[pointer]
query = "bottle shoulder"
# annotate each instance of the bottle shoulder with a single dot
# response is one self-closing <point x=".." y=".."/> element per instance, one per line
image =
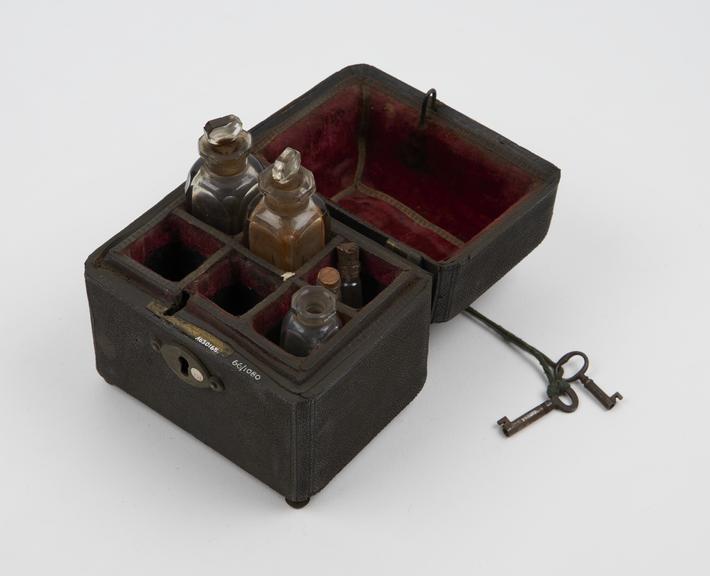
<point x="288" y="223"/>
<point x="301" y="338"/>
<point x="206" y="183"/>
<point x="222" y="201"/>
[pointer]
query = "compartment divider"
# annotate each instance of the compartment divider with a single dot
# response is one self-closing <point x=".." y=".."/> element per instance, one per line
<point x="197" y="223"/>
<point x="319" y="256"/>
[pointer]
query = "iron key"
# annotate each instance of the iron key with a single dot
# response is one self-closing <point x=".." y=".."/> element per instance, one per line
<point x="581" y="375"/>
<point x="510" y="428"/>
<point x="607" y="401"/>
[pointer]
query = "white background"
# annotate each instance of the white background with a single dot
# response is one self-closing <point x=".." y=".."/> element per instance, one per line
<point x="100" y="111"/>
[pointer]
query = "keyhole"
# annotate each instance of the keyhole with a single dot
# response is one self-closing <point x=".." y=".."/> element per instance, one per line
<point x="184" y="365"/>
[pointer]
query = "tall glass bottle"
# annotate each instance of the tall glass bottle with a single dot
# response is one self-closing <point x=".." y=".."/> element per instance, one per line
<point x="220" y="191"/>
<point x="311" y="320"/>
<point x="349" y="268"/>
<point x="286" y="227"/>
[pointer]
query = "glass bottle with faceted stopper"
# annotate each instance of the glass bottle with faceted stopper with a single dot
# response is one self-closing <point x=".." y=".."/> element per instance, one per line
<point x="286" y="227"/>
<point x="311" y="320"/>
<point x="227" y="180"/>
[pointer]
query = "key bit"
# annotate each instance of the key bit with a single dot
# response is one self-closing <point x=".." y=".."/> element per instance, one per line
<point x="511" y="427"/>
<point x="604" y="399"/>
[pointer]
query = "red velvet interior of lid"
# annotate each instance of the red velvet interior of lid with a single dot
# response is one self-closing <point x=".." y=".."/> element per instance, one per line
<point x="397" y="225"/>
<point x="455" y="185"/>
<point x="445" y="188"/>
<point x="327" y="141"/>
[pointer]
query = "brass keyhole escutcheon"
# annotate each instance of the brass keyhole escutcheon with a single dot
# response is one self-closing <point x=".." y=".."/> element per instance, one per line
<point x="186" y="366"/>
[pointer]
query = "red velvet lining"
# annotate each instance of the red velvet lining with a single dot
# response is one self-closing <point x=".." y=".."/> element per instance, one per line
<point x="444" y="178"/>
<point x="327" y="141"/>
<point x="236" y="284"/>
<point x="267" y="322"/>
<point x="398" y="225"/>
<point x="237" y="270"/>
<point x="457" y="186"/>
<point x="173" y="248"/>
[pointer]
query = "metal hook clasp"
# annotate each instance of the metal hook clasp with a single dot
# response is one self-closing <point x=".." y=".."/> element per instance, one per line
<point x="429" y="103"/>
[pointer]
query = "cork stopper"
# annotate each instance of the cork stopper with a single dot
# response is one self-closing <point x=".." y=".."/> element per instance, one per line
<point x="329" y="278"/>
<point x="348" y="259"/>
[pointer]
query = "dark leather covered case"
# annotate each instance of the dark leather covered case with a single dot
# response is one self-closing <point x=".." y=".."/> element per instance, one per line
<point x="186" y="319"/>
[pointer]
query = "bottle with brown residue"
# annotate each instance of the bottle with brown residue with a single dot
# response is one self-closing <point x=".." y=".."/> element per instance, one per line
<point x="286" y="227"/>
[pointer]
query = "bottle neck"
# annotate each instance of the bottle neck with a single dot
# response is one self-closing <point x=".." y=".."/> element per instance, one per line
<point x="349" y="273"/>
<point x="286" y="204"/>
<point x="313" y="305"/>
<point x="225" y="167"/>
<point x="314" y="320"/>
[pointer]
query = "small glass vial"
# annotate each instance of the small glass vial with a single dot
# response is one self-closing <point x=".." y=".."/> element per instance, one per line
<point x="286" y="227"/>
<point x="349" y="268"/>
<point x="227" y="179"/>
<point x="329" y="278"/>
<point x="311" y="320"/>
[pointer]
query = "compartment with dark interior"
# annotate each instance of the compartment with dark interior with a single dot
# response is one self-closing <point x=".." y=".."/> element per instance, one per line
<point x="236" y="284"/>
<point x="267" y="321"/>
<point x="375" y="273"/>
<point x="426" y="185"/>
<point x="173" y="248"/>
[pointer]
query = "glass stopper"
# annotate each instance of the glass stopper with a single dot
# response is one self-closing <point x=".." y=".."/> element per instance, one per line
<point x="222" y="130"/>
<point x="286" y="166"/>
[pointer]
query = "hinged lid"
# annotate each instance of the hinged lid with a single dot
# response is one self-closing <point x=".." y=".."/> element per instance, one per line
<point x="459" y="200"/>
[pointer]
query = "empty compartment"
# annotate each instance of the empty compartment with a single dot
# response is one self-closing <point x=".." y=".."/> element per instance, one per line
<point x="173" y="249"/>
<point x="428" y="186"/>
<point x="236" y="284"/>
<point x="375" y="273"/>
<point x="268" y="322"/>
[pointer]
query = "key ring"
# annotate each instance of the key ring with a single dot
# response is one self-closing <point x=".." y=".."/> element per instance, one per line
<point x="562" y="406"/>
<point x="559" y="366"/>
<point x="558" y="384"/>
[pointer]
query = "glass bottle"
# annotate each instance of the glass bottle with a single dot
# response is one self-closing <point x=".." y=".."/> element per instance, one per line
<point x="329" y="278"/>
<point x="286" y="227"/>
<point x="349" y="268"/>
<point x="311" y="320"/>
<point x="227" y="178"/>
